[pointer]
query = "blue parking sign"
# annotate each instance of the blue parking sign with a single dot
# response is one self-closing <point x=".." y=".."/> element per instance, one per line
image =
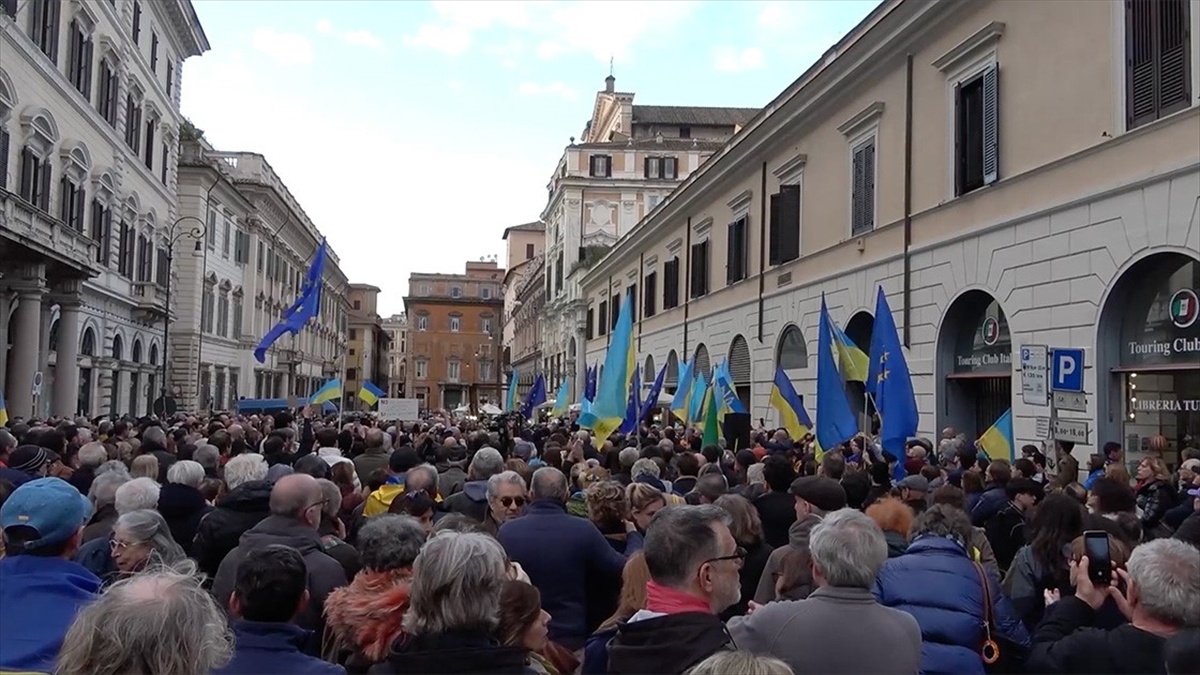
<point x="1066" y="371"/>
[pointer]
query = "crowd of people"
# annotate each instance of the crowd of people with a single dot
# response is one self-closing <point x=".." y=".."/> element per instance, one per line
<point x="290" y="543"/>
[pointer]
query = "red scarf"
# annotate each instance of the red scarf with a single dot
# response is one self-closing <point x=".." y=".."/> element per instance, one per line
<point x="666" y="600"/>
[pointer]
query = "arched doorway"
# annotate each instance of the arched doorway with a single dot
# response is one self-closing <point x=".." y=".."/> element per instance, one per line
<point x="859" y="329"/>
<point x="87" y="352"/>
<point x="118" y="355"/>
<point x="700" y="362"/>
<point x="1148" y="358"/>
<point x="791" y="353"/>
<point x="974" y="357"/>
<point x="740" y="368"/>
<point x="671" y="379"/>
<point x="648" y="372"/>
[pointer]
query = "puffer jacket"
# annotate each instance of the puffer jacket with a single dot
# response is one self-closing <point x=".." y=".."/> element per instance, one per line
<point x="939" y="586"/>
<point x="363" y="619"/>
<point x="220" y="530"/>
<point x="991" y="502"/>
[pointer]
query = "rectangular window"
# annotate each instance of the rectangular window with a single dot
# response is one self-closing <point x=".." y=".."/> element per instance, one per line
<point x="591" y="323"/>
<point x="699" y="269"/>
<point x="455" y="324"/>
<point x="133" y="123"/>
<point x="149" y="156"/>
<point x="600" y="166"/>
<point x="239" y="247"/>
<point x="102" y="232"/>
<point x="670" y="168"/>
<point x="631" y="293"/>
<point x="422" y="323"/>
<point x="736" y="252"/>
<point x="163" y="270"/>
<point x="455" y="292"/>
<point x="976" y="139"/>
<point x="223" y="316"/>
<point x="44" y="26"/>
<point x="35" y="180"/>
<point x="5" y="139"/>
<point x="352" y="373"/>
<point x="486" y="326"/>
<point x="452" y="370"/>
<point x="170" y="79"/>
<point x="528" y="251"/>
<point x="125" y="250"/>
<point x="422" y="370"/>
<point x="558" y="273"/>
<point x="162" y="171"/>
<point x="106" y="94"/>
<point x="1157" y="59"/>
<point x="614" y="310"/>
<point x="602" y="319"/>
<point x="137" y="21"/>
<point x="649" y="296"/>
<point x="71" y="204"/>
<point x="154" y="52"/>
<point x="261" y="254"/>
<point x="485" y="371"/>
<point x="671" y="283"/>
<point x="862" y="202"/>
<point x="653" y="167"/>
<point x="784" y="229"/>
<point x="79" y="64"/>
<point x="143" y="259"/>
<point x="353" y="333"/>
<point x="211" y="232"/>
<point x="652" y="202"/>
<point x="206" y="310"/>
<point x="225" y="238"/>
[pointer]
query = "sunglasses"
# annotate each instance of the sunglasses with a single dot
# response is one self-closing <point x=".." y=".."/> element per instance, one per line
<point x="739" y="553"/>
<point x="506" y="502"/>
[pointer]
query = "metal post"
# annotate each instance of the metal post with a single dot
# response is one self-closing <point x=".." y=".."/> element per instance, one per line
<point x="173" y="236"/>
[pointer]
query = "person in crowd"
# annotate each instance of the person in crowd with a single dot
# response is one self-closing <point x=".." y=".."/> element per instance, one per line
<point x="565" y="557"/>
<point x="363" y="619"/>
<point x="133" y="495"/>
<point x="418" y="505"/>
<point x="645" y="500"/>
<point x="451" y="460"/>
<point x="1109" y="502"/>
<point x="1160" y="598"/>
<point x="209" y="459"/>
<point x="245" y="505"/>
<point x="181" y="502"/>
<point x="939" y="584"/>
<point x="742" y="663"/>
<point x="150" y="624"/>
<point x="1041" y="565"/>
<point x="507" y="495"/>
<point x="748" y="533"/>
<point x="269" y="591"/>
<point x="1181" y="652"/>
<point x="473" y="500"/>
<point x="994" y="497"/>
<point x="1006" y="528"/>
<point x="1189" y="529"/>
<point x="812" y="498"/>
<point x="1109" y="615"/>
<point x="694" y="563"/>
<point x="26" y="463"/>
<point x="142" y="539"/>
<point x="777" y="508"/>
<point x="296" y="502"/>
<point x="1095" y="470"/>
<point x="523" y="623"/>
<point x="609" y="512"/>
<point x="103" y="495"/>
<point x="402" y="464"/>
<point x="454" y="611"/>
<point x="90" y="457"/>
<point x="823" y="633"/>
<point x="978" y="545"/>
<point x="332" y="531"/>
<point x="632" y="600"/>
<point x="895" y="518"/>
<point x="914" y="492"/>
<point x="1155" y="496"/>
<point x="41" y="589"/>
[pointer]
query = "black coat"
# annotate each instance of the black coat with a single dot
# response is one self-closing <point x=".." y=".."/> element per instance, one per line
<point x="219" y="531"/>
<point x="1065" y="642"/>
<point x="467" y="652"/>
<point x="752" y="571"/>
<point x="82" y="479"/>
<point x="183" y="507"/>
<point x="777" y="511"/>
<point x="666" y="644"/>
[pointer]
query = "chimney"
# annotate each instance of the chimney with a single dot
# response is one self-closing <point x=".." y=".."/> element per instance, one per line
<point x="610" y="84"/>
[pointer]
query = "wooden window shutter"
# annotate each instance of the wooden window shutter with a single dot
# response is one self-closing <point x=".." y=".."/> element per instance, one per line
<point x="869" y="185"/>
<point x="789" y="223"/>
<point x="1156" y="53"/>
<point x="88" y="52"/>
<point x="607" y="166"/>
<point x="44" y="194"/>
<point x="64" y="206"/>
<point x="80" y="207"/>
<point x="856" y="189"/>
<point x="1174" y="80"/>
<point x="991" y="125"/>
<point x="773" y="251"/>
<point x="4" y="142"/>
<point x="731" y="246"/>
<point x="27" y="178"/>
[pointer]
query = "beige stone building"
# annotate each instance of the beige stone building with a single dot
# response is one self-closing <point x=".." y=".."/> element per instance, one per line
<point x="396" y="327"/>
<point x="367" y="346"/>
<point x="524" y="299"/>
<point x="1011" y="173"/>
<point x="624" y="164"/>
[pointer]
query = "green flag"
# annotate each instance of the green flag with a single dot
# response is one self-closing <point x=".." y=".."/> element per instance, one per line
<point x="712" y="435"/>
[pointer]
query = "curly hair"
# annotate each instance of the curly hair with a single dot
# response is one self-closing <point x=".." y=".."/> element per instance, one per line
<point x="606" y="503"/>
<point x="892" y="515"/>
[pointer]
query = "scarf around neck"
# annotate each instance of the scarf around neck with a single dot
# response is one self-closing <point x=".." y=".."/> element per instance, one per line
<point x="668" y="600"/>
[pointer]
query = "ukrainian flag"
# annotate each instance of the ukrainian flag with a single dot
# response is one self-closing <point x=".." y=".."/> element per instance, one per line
<point x="730" y="403"/>
<point x="679" y="404"/>
<point x="370" y="393"/>
<point x="612" y="394"/>
<point x="998" y="440"/>
<point x="330" y="391"/>
<point x="792" y="414"/>
<point x="3" y="410"/>
<point x="510" y="397"/>
<point x="853" y="362"/>
<point x="696" y="399"/>
<point x="561" y="398"/>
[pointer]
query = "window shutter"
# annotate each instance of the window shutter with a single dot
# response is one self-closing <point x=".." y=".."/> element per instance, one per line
<point x="856" y="189"/>
<point x="607" y="166"/>
<point x="64" y="206"/>
<point x="731" y="247"/>
<point x="646" y="167"/>
<point x="3" y="158"/>
<point x="991" y="125"/>
<point x="52" y="27"/>
<point x="789" y="223"/>
<point x="80" y="207"/>
<point x="1173" y="78"/>
<point x="88" y="52"/>
<point x="773" y="251"/>
<point x="44" y="195"/>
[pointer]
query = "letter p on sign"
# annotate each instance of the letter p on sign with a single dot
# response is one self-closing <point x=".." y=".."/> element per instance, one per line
<point x="1068" y="370"/>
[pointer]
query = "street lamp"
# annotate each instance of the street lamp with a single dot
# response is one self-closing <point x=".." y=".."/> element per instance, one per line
<point x="174" y="234"/>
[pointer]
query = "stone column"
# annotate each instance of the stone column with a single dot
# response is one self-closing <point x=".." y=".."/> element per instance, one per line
<point x="5" y="306"/>
<point x="66" y="372"/>
<point x="19" y="392"/>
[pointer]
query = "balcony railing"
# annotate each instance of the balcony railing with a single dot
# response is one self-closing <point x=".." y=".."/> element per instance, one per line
<point x="151" y="299"/>
<point x="47" y="234"/>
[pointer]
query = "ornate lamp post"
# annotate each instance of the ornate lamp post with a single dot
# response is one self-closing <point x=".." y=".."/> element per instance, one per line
<point x="174" y="234"/>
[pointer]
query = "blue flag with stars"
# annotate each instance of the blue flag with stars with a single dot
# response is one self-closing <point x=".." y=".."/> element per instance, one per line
<point x="890" y="380"/>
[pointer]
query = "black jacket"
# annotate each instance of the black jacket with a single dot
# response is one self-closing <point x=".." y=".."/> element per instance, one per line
<point x="777" y="511"/>
<point x="183" y="507"/>
<point x="219" y="531"/>
<point x="82" y="479"/>
<point x="466" y="652"/>
<point x="1006" y="533"/>
<point x="666" y="644"/>
<point x="1065" y="642"/>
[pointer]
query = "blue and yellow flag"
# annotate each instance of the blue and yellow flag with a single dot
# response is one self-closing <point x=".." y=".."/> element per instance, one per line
<point x="3" y="410"/>
<point x="852" y="361"/>
<point x="792" y="415"/>
<point x="679" y="404"/>
<point x="729" y="403"/>
<point x="997" y="441"/>
<point x="612" y="393"/>
<point x="835" y="420"/>
<point x="330" y="391"/>
<point x="370" y="394"/>
<point x="561" y="401"/>
<point x="696" y="399"/>
<point x="510" y="397"/>
<point x="894" y="397"/>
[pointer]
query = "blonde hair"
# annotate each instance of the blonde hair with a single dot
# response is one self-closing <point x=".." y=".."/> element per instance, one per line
<point x="641" y="495"/>
<point x="1158" y="467"/>
<point x="144" y="466"/>
<point x="606" y="503"/>
<point x="742" y="663"/>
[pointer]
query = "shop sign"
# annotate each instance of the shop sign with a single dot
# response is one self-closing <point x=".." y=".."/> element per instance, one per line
<point x="1075" y="431"/>
<point x="1162" y="326"/>
<point x="988" y="348"/>
<point x="1166" y="404"/>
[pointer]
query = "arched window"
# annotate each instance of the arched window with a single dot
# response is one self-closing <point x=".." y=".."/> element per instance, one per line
<point x="137" y="350"/>
<point x="88" y="345"/>
<point x="118" y="347"/>
<point x="671" y="379"/>
<point x="154" y="355"/>
<point x="700" y="362"/>
<point x="792" y="351"/>
<point x="739" y="360"/>
<point x="54" y="336"/>
<point x="649" y="373"/>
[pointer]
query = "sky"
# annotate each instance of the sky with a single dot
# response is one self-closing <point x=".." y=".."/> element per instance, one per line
<point x="412" y="133"/>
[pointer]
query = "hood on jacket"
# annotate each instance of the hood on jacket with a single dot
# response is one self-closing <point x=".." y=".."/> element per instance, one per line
<point x="250" y="496"/>
<point x="366" y="615"/>
<point x="176" y="500"/>
<point x="897" y="545"/>
<point x="666" y="644"/>
<point x="457" y="652"/>
<point x="284" y="531"/>
<point x="800" y="530"/>
<point x="476" y="490"/>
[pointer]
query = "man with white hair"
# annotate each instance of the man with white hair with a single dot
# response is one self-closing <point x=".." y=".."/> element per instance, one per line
<point x="245" y="505"/>
<point x="181" y="503"/>
<point x="208" y="457"/>
<point x="104" y="502"/>
<point x="91" y="456"/>
<point x="472" y="501"/>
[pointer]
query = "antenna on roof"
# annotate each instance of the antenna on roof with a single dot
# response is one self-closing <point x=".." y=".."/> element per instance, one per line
<point x="610" y="66"/>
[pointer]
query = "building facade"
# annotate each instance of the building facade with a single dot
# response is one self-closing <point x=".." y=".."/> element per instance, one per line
<point x="627" y="160"/>
<point x="242" y="246"/>
<point x="524" y="249"/>
<point x="1058" y="211"/>
<point x="396" y="326"/>
<point x="367" y="358"/>
<point x="454" y="337"/>
<point x="89" y="123"/>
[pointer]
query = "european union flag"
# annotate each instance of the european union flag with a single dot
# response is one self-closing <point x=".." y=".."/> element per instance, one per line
<point x="633" y="410"/>
<point x="835" y="419"/>
<point x="535" y="397"/>
<point x="306" y="306"/>
<point x="894" y="397"/>
<point x="655" y="389"/>
<point x="589" y="384"/>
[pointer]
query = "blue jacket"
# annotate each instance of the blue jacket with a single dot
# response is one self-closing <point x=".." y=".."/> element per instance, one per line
<point x="39" y="598"/>
<point x="266" y="648"/>
<point x="939" y="586"/>
<point x="991" y="502"/>
<point x="565" y="555"/>
<point x="96" y="557"/>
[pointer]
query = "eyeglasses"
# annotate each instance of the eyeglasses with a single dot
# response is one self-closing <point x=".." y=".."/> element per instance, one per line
<point x="739" y="553"/>
<point x="115" y="545"/>
<point x="321" y="503"/>
<point x="509" y="501"/>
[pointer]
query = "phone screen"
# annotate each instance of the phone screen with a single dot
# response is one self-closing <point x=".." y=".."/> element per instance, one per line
<point x="1095" y="544"/>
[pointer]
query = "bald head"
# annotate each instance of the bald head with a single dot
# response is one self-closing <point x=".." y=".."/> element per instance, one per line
<point x="374" y="438"/>
<point x="293" y="495"/>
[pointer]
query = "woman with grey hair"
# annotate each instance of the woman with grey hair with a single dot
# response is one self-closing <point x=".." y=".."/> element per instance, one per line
<point x="454" y="608"/>
<point x="152" y="624"/>
<point x="180" y="501"/>
<point x="103" y="495"/>
<point x="142" y="539"/>
<point x="363" y="619"/>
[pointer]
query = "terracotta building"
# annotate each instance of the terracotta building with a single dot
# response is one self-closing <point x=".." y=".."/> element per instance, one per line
<point x="454" y="337"/>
